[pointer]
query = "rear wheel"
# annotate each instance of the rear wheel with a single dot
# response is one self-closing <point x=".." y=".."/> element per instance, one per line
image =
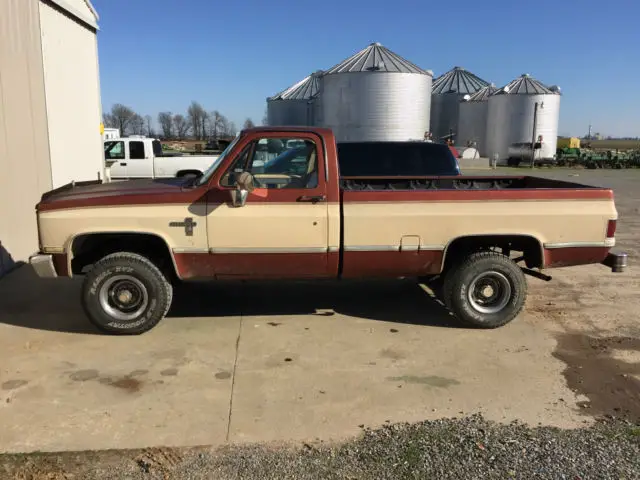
<point x="486" y="290"/>
<point x="126" y="293"/>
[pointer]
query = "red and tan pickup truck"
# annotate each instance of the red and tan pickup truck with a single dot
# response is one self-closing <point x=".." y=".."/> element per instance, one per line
<point x="290" y="203"/>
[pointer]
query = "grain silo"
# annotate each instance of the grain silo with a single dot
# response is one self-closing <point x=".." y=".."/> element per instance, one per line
<point x="510" y="121"/>
<point x="293" y="106"/>
<point x="375" y="95"/>
<point x="448" y="90"/>
<point x="472" y="121"/>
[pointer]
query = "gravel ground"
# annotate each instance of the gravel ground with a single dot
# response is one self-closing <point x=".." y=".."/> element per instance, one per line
<point x="467" y="448"/>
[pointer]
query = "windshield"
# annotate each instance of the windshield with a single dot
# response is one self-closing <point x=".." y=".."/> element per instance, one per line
<point x="216" y="163"/>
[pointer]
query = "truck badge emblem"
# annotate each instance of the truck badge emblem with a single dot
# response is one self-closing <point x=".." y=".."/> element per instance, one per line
<point x="187" y="224"/>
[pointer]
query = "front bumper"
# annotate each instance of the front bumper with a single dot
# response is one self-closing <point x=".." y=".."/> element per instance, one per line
<point x="43" y="265"/>
<point x="616" y="261"/>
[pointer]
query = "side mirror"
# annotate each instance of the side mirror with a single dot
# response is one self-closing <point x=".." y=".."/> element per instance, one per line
<point x="244" y="185"/>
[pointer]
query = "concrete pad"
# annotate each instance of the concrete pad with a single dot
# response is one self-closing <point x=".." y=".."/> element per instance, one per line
<point x="65" y="387"/>
<point x="400" y="359"/>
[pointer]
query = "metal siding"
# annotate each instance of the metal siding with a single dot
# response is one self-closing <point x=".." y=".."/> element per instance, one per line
<point x="73" y="100"/>
<point x="24" y="148"/>
<point x="510" y="120"/>
<point x="287" y="112"/>
<point x="472" y="125"/>
<point x="368" y="106"/>
<point x="445" y="109"/>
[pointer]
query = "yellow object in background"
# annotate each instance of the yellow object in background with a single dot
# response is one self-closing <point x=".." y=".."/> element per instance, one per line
<point x="571" y="142"/>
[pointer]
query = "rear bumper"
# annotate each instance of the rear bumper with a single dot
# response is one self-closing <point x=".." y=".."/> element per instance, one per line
<point x="43" y="265"/>
<point x="616" y="261"/>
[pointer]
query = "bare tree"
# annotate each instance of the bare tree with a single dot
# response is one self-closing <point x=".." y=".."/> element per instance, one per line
<point x="150" y="132"/>
<point x="248" y="123"/>
<point x="181" y="125"/>
<point x="165" y="119"/>
<point x="216" y="124"/>
<point x="121" y="117"/>
<point x="197" y="119"/>
<point x="136" y="125"/>
<point x="109" y="121"/>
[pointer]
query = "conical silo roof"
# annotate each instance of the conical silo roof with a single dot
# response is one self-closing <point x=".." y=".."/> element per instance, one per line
<point x="458" y="80"/>
<point x="483" y="94"/>
<point x="376" y="58"/>
<point x="525" y="84"/>
<point x="305" y="89"/>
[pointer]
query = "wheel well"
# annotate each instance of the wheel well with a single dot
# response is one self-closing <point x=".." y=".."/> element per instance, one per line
<point x="528" y="247"/>
<point x="182" y="173"/>
<point x="89" y="248"/>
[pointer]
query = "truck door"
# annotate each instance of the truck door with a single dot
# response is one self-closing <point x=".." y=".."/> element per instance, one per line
<point x="140" y="162"/>
<point x="115" y="158"/>
<point x="282" y="230"/>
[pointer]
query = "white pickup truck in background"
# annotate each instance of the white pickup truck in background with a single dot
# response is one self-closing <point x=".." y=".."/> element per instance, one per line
<point x="142" y="157"/>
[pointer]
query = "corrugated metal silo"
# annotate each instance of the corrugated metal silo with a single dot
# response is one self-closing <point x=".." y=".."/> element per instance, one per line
<point x="448" y="90"/>
<point x="472" y="121"/>
<point x="375" y="95"/>
<point x="294" y="105"/>
<point x="511" y="116"/>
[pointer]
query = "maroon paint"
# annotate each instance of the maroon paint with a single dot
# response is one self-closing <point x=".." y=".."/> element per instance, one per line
<point x="391" y="264"/>
<point x="252" y="265"/>
<point x="60" y="264"/>
<point x="391" y="196"/>
<point x="567" y="257"/>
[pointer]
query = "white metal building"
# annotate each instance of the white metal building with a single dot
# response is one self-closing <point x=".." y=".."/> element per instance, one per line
<point x="50" y="111"/>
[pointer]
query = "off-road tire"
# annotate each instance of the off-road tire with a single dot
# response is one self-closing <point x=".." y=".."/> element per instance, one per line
<point x="158" y="288"/>
<point x="459" y="279"/>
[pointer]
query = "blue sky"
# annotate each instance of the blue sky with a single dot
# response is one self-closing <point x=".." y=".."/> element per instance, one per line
<point x="159" y="55"/>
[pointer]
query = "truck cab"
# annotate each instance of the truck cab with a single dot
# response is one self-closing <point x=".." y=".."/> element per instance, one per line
<point x="129" y="157"/>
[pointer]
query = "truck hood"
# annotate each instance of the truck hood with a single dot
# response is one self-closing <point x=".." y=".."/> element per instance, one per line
<point x="97" y="193"/>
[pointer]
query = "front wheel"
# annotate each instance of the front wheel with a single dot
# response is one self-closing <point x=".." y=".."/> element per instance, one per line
<point x="486" y="290"/>
<point x="126" y="293"/>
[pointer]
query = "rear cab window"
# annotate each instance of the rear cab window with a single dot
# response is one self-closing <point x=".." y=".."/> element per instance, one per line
<point x="136" y="150"/>
<point x="392" y="159"/>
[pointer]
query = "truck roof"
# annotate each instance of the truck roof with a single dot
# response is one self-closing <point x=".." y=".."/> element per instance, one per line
<point x="293" y="128"/>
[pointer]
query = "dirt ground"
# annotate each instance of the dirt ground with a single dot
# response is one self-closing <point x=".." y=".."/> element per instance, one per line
<point x="314" y="362"/>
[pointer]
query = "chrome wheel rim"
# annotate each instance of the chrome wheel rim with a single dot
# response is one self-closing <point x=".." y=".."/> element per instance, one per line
<point x="123" y="297"/>
<point x="489" y="292"/>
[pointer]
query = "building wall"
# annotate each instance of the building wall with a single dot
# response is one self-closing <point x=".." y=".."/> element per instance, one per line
<point x="24" y="148"/>
<point x="69" y="53"/>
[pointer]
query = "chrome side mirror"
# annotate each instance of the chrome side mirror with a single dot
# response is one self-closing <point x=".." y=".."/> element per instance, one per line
<point x="244" y="186"/>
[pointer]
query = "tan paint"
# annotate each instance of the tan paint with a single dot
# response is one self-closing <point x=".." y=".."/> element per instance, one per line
<point x="269" y="225"/>
<point x="73" y="101"/>
<point x="59" y="227"/>
<point x="437" y="223"/>
<point x="25" y="172"/>
<point x="370" y="226"/>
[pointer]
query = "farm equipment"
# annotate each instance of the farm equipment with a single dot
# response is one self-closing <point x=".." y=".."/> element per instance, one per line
<point x="593" y="159"/>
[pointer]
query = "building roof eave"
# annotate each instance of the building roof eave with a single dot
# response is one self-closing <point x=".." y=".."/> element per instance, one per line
<point x="89" y="20"/>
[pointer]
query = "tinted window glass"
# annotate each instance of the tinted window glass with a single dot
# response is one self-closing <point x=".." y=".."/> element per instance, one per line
<point x="157" y="148"/>
<point x="136" y="150"/>
<point x="390" y="159"/>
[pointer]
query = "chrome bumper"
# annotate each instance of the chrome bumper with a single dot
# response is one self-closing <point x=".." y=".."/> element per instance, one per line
<point x="43" y="265"/>
<point x="617" y="262"/>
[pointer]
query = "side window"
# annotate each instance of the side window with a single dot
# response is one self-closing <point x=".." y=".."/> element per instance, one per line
<point x="278" y="163"/>
<point x="136" y="150"/>
<point x="237" y="167"/>
<point x="114" y="150"/>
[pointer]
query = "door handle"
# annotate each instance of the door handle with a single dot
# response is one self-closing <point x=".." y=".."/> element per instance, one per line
<point x="123" y="164"/>
<point x="312" y="198"/>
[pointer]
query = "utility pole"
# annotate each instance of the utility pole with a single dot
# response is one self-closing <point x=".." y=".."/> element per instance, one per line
<point x="533" y="137"/>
